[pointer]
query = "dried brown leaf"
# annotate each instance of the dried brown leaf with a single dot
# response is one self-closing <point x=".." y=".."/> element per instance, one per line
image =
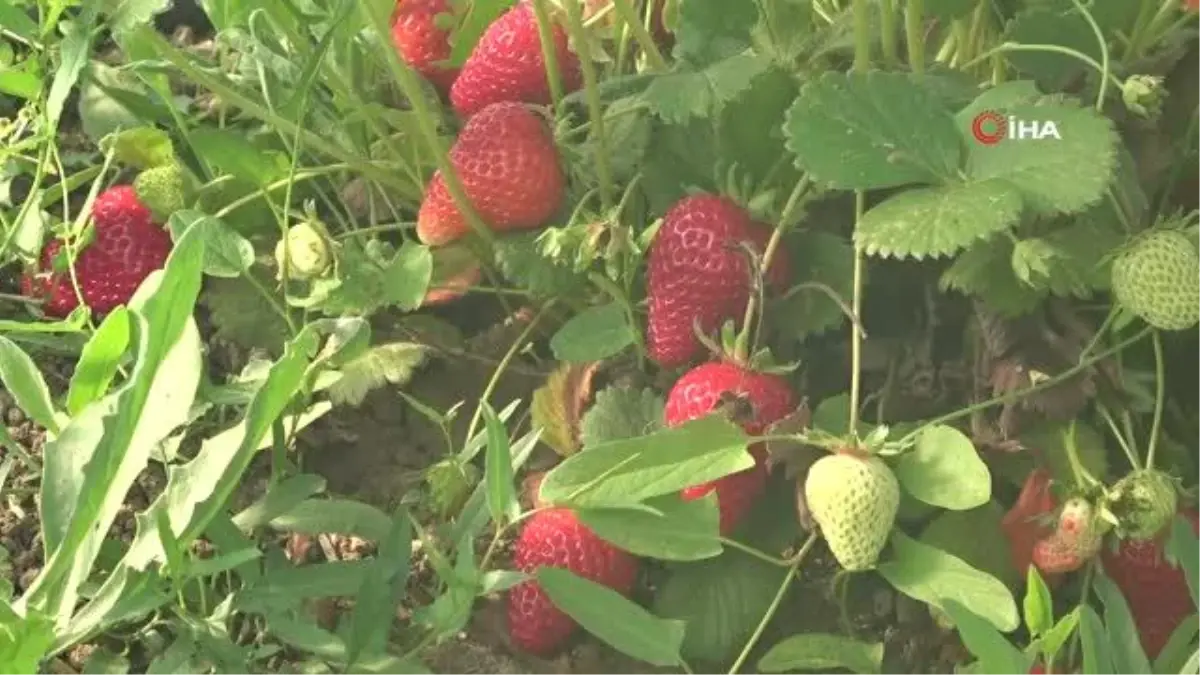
<point x="558" y="405"/>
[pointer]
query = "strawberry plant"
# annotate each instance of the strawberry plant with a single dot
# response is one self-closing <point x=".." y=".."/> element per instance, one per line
<point x="599" y="335"/>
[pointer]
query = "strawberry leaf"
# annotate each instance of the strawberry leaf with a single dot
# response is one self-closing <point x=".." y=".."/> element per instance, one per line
<point x="938" y="221"/>
<point x="873" y="130"/>
<point x="985" y="271"/>
<point x="241" y="315"/>
<point x="722" y="599"/>
<point x="613" y="618"/>
<point x="393" y="363"/>
<point x="1052" y="175"/>
<point x="995" y="653"/>
<point x="558" y="404"/>
<point x="975" y="537"/>
<point x="1122" y="632"/>
<point x="594" y="334"/>
<point x="933" y="576"/>
<point x="713" y="30"/>
<point x="686" y="93"/>
<point x="619" y="413"/>
<point x="674" y="530"/>
<point x="522" y="263"/>
<point x="822" y="652"/>
<point x="626" y="472"/>
<point x="944" y="469"/>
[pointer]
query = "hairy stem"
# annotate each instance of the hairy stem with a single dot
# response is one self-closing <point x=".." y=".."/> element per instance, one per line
<point x="549" y="54"/>
<point x="914" y="35"/>
<point x="595" y="111"/>
<point x="1160" y="379"/>
<point x="788" y="578"/>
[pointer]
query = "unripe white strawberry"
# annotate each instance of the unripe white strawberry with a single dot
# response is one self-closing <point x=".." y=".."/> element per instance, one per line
<point x="853" y="499"/>
<point x="307" y="253"/>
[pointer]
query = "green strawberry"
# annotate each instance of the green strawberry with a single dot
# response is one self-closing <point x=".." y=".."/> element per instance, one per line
<point x="853" y="498"/>
<point x="162" y="189"/>
<point x="1144" y="502"/>
<point x="1157" y="277"/>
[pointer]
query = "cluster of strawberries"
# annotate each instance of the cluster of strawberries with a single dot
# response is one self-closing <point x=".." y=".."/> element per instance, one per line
<point x="698" y="278"/>
<point x="1059" y="539"/>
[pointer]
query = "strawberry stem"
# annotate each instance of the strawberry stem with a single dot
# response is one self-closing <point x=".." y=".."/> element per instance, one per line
<point x="591" y="92"/>
<point x="549" y="54"/>
<point x="788" y="578"/>
<point x="1033" y="388"/>
<point x="643" y="37"/>
<point x="1116" y="432"/>
<point x="1159" y="387"/>
<point x="856" y="309"/>
<point x="742" y="348"/>
<point x="914" y="29"/>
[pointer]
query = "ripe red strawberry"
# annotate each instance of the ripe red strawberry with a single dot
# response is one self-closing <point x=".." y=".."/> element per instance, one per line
<point x="421" y="43"/>
<point x="127" y="247"/>
<point x="1157" y="593"/>
<point x="507" y="64"/>
<point x="1027" y="522"/>
<point x="556" y="538"/>
<point x="697" y="394"/>
<point x="509" y="168"/>
<point x="697" y="273"/>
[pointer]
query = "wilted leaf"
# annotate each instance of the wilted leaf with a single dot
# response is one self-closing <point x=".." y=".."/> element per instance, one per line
<point x="558" y="405"/>
<point x="392" y="363"/>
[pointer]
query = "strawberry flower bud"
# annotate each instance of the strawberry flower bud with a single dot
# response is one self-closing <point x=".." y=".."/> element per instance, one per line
<point x="1143" y="95"/>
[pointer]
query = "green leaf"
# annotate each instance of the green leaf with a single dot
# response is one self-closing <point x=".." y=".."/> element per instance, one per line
<point x="1056" y="638"/>
<point x="141" y="147"/>
<point x="74" y="51"/>
<point x="23" y="380"/>
<point x="291" y="585"/>
<point x="995" y="653"/>
<point x="975" y="537"/>
<point x="819" y="257"/>
<point x="279" y="499"/>
<point x="25" y="641"/>
<point x="343" y="516"/>
<point x="685" y="94"/>
<point x="723" y="599"/>
<point x="822" y="652"/>
<point x="872" y="130"/>
<point x="16" y="21"/>
<point x="674" y="530"/>
<point x="943" y="469"/>
<point x="226" y="253"/>
<point x="1181" y="544"/>
<point x="1097" y="655"/>
<point x="114" y="437"/>
<point x="1180" y="647"/>
<point x="241" y="315"/>
<point x="1039" y="608"/>
<point x="999" y="97"/>
<point x="933" y="576"/>
<point x="618" y="413"/>
<point x="626" y="472"/>
<point x="126" y="15"/>
<point x="594" y="334"/>
<point x="498" y="471"/>
<point x="1127" y="653"/>
<point x="393" y="363"/>
<point x="407" y="278"/>
<point x="382" y="591"/>
<point x="228" y="151"/>
<point x="613" y="618"/>
<point x="1048" y="25"/>
<point x="98" y="362"/>
<point x="985" y="270"/>
<point x="713" y="30"/>
<point x="522" y="263"/>
<point x="1053" y="176"/>
<point x="478" y="16"/>
<point x="938" y="221"/>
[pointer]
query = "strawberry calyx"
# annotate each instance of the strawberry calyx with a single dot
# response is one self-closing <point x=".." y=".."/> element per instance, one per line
<point x="727" y="349"/>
